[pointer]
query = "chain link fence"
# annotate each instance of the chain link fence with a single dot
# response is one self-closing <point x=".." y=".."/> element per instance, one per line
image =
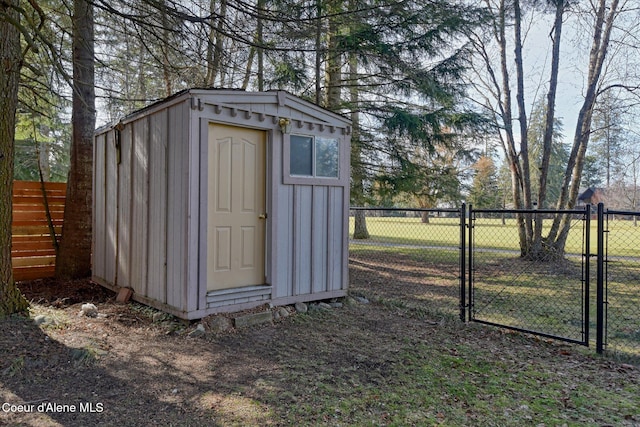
<point x="622" y="285"/>
<point x="543" y="292"/>
<point x="422" y="260"/>
<point x="408" y="257"/>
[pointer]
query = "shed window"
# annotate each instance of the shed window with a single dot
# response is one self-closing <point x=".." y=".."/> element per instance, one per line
<point x="314" y="156"/>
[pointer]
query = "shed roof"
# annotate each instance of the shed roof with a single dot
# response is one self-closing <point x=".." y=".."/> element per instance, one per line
<point x="230" y="97"/>
<point x="586" y="194"/>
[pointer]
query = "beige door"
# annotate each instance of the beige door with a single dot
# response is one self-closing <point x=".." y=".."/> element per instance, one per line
<point x="236" y="207"/>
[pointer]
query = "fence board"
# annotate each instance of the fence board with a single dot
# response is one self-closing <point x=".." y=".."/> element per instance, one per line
<point x="22" y="216"/>
<point x="33" y="273"/>
<point x="22" y="200"/>
<point x="32" y="251"/>
<point x="23" y="208"/>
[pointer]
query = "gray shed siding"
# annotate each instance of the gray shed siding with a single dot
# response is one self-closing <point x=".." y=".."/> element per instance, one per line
<point x="312" y="244"/>
<point x="150" y="205"/>
<point x="140" y="208"/>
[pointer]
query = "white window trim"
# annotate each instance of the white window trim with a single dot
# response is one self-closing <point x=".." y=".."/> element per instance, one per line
<point x="343" y="164"/>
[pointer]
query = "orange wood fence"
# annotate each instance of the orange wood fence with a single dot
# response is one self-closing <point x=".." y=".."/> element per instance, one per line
<point x="32" y="250"/>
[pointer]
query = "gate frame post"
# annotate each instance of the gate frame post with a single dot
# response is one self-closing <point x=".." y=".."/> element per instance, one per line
<point x="600" y="282"/>
<point x="587" y="274"/>
<point x="470" y="262"/>
<point x="463" y="276"/>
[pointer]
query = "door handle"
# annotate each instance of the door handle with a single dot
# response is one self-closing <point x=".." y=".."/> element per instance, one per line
<point x="262" y="216"/>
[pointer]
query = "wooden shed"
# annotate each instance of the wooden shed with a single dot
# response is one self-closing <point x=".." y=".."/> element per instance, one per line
<point x="222" y="200"/>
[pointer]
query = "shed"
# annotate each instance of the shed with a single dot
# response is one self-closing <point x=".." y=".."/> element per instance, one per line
<point x="591" y="196"/>
<point x="222" y="200"/>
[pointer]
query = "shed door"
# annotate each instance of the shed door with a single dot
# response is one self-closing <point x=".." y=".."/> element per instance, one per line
<point x="236" y="207"/>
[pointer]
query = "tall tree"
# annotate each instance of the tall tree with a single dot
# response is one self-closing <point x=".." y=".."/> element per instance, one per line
<point x="73" y="259"/>
<point x="608" y="136"/>
<point x="550" y="157"/>
<point x="604" y="14"/>
<point x="11" y="300"/>
<point x="407" y="87"/>
<point x="485" y="191"/>
<point x="215" y="42"/>
<point x="496" y="95"/>
<point x="358" y="173"/>
<point x="428" y="169"/>
<point x="591" y="173"/>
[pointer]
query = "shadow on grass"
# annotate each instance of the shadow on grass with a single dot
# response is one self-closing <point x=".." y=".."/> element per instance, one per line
<point x="59" y="369"/>
<point x="408" y="277"/>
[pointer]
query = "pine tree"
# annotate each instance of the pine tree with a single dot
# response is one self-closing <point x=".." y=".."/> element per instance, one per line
<point x="485" y="192"/>
<point x="11" y="300"/>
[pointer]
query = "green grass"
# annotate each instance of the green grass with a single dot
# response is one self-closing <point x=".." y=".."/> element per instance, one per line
<point x="542" y="297"/>
<point x="427" y="255"/>
<point x="456" y="382"/>
<point x="490" y="233"/>
<point x="379" y="364"/>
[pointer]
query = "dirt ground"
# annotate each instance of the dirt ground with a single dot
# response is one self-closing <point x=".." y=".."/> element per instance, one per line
<point x="127" y="367"/>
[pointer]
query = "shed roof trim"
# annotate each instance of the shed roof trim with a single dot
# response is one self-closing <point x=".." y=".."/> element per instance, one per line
<point x="229" y="98"/>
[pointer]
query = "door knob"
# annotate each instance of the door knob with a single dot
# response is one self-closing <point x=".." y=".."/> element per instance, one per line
<point x="262" y="216"/>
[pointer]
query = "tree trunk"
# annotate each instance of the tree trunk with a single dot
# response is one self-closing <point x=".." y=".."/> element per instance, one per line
<point x="166" y="64"/>
<point x="11" y="300"/>
<point x="260" y="37"/>
<point x="360" y="226"/>
<point x="357" y="169"/>
<point x="318" y="53"/>
<point x="509" y="146"/>
<point x="333" y="69"/>
<point x="256" y="50"/>
<point x="74" y="256"/>
<point x="214" y="46"/>
<point x="549" y="124"/>
<point x="211" y="41"/>
<point x="248" y="68"/>
<point x="605" y="16"/>
<point x="522" y="120"/>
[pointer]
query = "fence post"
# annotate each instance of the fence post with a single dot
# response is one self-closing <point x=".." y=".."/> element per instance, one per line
<point x="587" y="273"/>
<point x="470" y="265"/>
<point x="463" y="223"/>
<point x="600" y="282"/>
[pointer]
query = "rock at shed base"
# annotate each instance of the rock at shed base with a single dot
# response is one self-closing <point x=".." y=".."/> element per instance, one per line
<point x="219" y="324"/>
<point x="199" y="331"/>
<point x="301" y="307"/>
<point x="253" y="319"/>
<point x="283" y="312"/>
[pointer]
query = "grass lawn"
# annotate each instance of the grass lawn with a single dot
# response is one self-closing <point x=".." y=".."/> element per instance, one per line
<point x="544" y="297"/>
<point x="490" y="233"/>
<point x="391" y="362"/>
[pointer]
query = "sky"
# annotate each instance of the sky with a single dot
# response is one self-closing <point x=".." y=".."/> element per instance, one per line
<point x="573" y="59"/>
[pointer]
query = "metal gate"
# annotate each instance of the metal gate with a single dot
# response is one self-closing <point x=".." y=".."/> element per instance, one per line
<point x="618" y="296"/>
<point x="469" y="264"/>
<point x="546" y="295"/>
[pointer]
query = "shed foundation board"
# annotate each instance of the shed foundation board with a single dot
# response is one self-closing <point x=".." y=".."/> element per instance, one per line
<point x="253" y="319"/>
<point x="310" y="297"/>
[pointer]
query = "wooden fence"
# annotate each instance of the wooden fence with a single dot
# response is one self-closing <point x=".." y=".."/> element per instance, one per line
<point x="32" y="250"/>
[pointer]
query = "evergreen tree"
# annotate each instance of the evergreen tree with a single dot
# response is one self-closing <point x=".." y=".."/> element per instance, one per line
<point x="607" y="139"/>
<point x="485" y="192"/>
<point x="11" y="300"/>
<point x="558" y="155"/>
<point x="591" y="175"/>
<point x="73" y="258"/>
